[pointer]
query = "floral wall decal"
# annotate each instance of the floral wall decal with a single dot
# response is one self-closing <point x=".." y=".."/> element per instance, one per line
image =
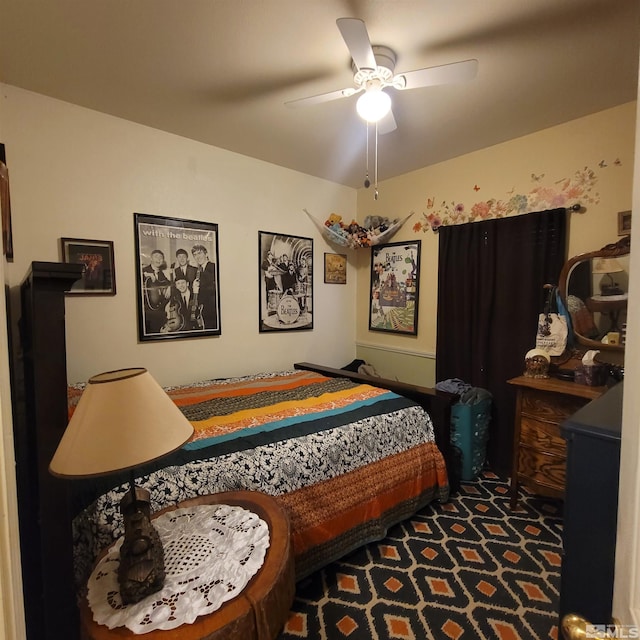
<point x="580" y="188"/>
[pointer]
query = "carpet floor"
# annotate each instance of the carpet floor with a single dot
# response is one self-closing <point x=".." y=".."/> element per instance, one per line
<point x="467" y="569"/>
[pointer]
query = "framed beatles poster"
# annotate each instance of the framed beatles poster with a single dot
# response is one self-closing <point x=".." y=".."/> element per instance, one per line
<point x="98" y="271"/>
<point x="395" y="273"/>
<point x="178" y="281"/>
<point x="286" y="282"/>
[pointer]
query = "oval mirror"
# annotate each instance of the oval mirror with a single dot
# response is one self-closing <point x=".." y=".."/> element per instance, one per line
<point x="594" y="288"/>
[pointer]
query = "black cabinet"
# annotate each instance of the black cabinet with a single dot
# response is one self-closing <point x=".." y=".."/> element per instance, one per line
<point x="591" y="507"/>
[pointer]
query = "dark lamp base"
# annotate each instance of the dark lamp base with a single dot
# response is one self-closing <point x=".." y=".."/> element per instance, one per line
<point x="141" y="571"/>
<point x="611" y="290"/>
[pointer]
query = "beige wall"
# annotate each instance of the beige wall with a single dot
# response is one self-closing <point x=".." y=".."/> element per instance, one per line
<point x="547" y="168"/>
<point x="81" y="174"/>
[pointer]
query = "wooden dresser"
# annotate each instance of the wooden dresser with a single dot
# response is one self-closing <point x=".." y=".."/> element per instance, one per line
<point x="539" y="450"/>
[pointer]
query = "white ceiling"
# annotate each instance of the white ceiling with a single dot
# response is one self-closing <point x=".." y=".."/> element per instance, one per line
<point x="220" y="71"/>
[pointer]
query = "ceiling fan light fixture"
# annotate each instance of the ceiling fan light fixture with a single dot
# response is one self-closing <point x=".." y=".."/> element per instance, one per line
<point x="373" y="105"/>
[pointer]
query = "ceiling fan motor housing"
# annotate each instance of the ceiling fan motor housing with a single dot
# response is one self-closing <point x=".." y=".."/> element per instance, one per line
<point x="386" y="61"/>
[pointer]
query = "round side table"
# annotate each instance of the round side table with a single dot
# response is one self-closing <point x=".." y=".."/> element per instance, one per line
<point x="262" y="608"/>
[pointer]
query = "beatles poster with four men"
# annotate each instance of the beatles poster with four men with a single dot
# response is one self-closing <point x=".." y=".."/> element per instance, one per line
<point x="178" y="276"/>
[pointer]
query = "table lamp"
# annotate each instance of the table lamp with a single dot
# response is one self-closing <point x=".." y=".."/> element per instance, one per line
<point x="125" y="419"/>
<point x="607" y="266"/>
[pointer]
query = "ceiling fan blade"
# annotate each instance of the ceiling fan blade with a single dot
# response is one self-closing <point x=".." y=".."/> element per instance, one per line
<point x="443" y="74"/>
<point x="322" y="97"/>
<point x="236" y="91"/>
<point x="357" y="40"/>
<point x="387" y="124"/>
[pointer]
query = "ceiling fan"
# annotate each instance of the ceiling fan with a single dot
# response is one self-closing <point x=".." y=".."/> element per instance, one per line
<point x="374" y="70"/>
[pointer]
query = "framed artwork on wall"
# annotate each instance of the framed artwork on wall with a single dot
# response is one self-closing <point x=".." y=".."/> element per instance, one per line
<point x="624" y="223"/>
<point x="5" y="207"/>
<point x="395" y="280"/>
<point x="178" y="281"/>
<point x="98" y="266"/>
<point x="335" y="268"/>
<point x="286" y="282"/>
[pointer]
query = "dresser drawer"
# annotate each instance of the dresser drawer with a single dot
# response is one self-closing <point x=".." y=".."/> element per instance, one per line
<point x="541" y="468"/>
<point x="555" y="408"/>
<point x="543" y="436"/>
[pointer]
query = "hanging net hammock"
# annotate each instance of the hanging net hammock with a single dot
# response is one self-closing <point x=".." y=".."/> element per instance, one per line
<point x="353" y="236"/>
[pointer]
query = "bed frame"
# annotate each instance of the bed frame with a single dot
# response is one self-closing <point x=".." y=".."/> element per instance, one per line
<point x="40" y="418"/>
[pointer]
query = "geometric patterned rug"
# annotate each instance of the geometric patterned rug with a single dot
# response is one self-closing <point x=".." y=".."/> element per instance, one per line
<point x="464" y="570"/>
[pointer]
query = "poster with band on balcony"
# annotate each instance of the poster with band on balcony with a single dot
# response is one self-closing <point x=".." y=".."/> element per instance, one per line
<point x="178" y="281"/>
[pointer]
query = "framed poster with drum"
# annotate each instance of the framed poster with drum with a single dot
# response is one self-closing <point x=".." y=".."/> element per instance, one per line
<point x="286" y="282"/>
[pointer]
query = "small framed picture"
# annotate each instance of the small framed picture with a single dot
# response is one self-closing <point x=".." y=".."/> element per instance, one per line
<point x="178" y="278"/>
<point x="5" y="207"/>
<point x="286" y="282"/>
<point x="395" y="275"/>
<point x="335" y="268"/>
<point x="98" y="269"/>
<point x="624" y="223"/>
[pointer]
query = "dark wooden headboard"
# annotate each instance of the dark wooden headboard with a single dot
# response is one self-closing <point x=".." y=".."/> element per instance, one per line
<point x="43" y="501"/>
<point x="436" y="403"/>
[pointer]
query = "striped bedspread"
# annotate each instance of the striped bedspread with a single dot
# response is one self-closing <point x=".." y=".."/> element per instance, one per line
<point x="346" y="460"/>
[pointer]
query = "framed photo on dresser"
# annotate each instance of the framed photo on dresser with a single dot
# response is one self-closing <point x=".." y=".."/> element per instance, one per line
<point x="624" y="223"/>
<point x="178" y="281"/>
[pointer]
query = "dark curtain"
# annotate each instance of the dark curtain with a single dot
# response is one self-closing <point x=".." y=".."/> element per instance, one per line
<point x="491" y="278"/>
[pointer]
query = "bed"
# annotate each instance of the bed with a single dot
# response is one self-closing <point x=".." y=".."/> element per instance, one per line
<point x="346" y="460"/>
<point x="347" y="455"/>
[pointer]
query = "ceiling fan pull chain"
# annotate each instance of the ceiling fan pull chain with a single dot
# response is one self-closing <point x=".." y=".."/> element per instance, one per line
<point x="375" y="177"/>
<point x="367" y="182"/>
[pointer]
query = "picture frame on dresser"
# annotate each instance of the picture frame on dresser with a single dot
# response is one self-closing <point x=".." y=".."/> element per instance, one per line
<point x="624" y="223"/>
<point x="178" y="278"/>
<point x="98" y="265"/>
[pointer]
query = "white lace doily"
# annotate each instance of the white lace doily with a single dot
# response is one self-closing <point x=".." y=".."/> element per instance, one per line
<point x="211" y="552"/>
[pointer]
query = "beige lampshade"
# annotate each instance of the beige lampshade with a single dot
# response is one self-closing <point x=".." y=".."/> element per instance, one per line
<point x="606" y="265"/>
<point x="123" y="419"/>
